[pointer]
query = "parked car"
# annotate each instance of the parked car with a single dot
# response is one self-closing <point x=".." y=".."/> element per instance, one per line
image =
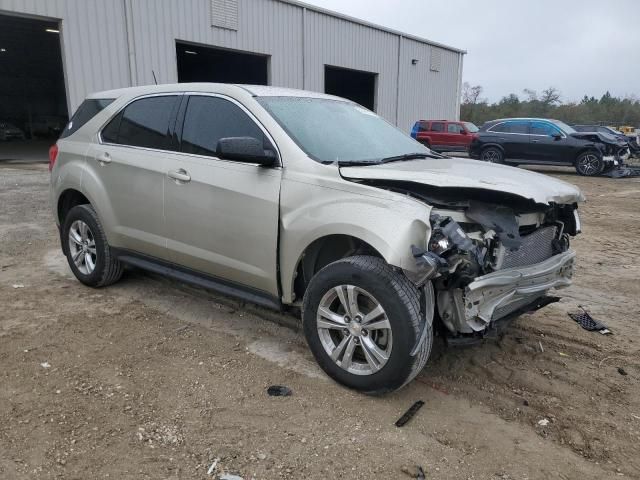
<point x="547" y="142"/>
<point x="48" y="126"/>
<point x="632" y="141"/>
<point x="9" y="131"/>
<point x="376" y="239"/>
<point x="444" y="135"/>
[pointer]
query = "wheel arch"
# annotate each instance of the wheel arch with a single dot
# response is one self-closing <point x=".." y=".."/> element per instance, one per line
<point x="68" y="199"/>
<point x="325" y="250"/>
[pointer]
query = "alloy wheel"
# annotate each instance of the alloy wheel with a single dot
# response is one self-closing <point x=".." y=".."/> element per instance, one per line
<point x="82" y="247"/>
<point x="491" y="155"/>
<point x="354" y="330"/>
<point x="589" y="164"/>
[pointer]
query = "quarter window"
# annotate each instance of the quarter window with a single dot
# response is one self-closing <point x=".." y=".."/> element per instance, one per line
<point x="86" y="111"/>
<point x="208" y="119"/>
<point x="143" y="123"/>
<point x="437" y="126"/>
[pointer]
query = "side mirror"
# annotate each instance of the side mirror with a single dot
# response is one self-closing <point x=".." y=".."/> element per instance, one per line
<point x="556" y="136"/>
<point x="463" y="132"/>
<point x="245" y="149"/>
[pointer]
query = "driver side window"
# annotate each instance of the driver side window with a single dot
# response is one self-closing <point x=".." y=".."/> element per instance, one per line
<point x="208" y="119"/>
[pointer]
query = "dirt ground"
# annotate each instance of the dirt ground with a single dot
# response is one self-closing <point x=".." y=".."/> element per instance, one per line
<point x="153" y="379"/>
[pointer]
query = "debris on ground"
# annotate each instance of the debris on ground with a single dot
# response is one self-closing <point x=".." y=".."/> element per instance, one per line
<point x="154" y="434"/>
<point x="586" y="321"/>
<point x="541" y="347"/>
<point x="17" y="285"/>
<point x="279" y="391"/>
<point x="544" y="422"/>
<point x="414" y="471"/>
<point x="213" y="466"/>
<point x="622" y="371"/>
<point x="623" y="171"/>
<point x="45" y="365"/>
<point x="229" y="476"/>
<point x="408" y="415"/>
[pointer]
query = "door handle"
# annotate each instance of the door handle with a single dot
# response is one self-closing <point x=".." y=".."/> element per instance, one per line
<point x="104" y="158"/>
<point x="180" y="175"/>
<point x="535" y="141"/>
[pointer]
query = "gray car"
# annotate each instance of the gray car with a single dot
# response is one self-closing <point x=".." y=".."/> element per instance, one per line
<point x="302" y="201"/>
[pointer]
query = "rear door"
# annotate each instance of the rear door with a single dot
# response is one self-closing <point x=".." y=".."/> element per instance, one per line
<point x="129" y="162"/>
<point x="437" y="134"/>
<point x="513" y="135"/>
<point x="222" y="215"/>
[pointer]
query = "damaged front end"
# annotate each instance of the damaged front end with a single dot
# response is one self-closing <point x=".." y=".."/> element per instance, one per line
<point x="488" y="261"/>
<point x="614" y="152"/>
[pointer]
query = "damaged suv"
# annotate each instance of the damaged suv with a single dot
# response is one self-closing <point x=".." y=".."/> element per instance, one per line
<point x="299" y="200"/>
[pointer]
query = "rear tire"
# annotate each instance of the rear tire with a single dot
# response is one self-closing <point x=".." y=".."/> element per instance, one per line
<point x="85" y="245"/>
<point x="589" y="164"/>
<point x="362" y="321"/>
<point x="492" y="155"/>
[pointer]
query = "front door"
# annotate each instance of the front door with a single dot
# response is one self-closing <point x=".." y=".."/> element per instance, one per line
<point x="549" y="144"/>
<point x="222" y="215"/>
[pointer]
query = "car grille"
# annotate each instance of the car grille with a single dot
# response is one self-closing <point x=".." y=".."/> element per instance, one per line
<point x="535" y="248"/>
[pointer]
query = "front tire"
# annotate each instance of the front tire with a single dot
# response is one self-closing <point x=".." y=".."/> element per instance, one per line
<point x="589" y="164"/>
<point x="364" y="325"/>
<point x="492" y="155"/>
<point x="85" y="245"/>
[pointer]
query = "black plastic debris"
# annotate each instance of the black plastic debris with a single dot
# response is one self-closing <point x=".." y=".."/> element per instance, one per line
<point x="625" y="171"/>
<point x="279" y="391"/>
<point x="587" y="322"/>
<point x="408" y="415"/>
<point x="622" y="371"/>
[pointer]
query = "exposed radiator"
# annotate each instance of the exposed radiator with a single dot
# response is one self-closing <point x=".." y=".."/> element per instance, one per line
<point x="535" y="248"/>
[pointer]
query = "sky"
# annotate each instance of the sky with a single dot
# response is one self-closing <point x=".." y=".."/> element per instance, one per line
<point x="579" y="47"/>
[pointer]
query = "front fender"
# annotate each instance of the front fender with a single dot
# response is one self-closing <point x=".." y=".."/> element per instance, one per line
<point x="389" y="222"/>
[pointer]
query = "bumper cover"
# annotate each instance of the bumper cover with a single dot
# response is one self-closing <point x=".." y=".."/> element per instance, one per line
<point x="493" y="296"/>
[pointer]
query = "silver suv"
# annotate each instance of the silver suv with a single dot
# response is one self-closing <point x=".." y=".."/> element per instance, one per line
<point x="298" y="200"/>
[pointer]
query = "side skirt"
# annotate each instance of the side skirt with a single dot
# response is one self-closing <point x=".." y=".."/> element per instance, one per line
<point x="197" y="278"/>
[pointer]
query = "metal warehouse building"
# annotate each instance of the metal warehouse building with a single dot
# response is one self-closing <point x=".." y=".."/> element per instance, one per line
<point x="54" y="52"/>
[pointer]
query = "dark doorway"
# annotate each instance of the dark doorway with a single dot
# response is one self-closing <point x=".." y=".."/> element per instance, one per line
<point x="197" y="63"/>
<point x="33" y="102"/>
<point x="355" y="85"/>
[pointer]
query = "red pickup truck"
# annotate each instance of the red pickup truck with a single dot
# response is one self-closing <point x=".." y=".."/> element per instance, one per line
<point x="444" y="135"/>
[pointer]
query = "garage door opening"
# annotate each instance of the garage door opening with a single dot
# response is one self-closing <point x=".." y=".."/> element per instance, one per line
<point x="33" y="102"/>
<point x="198" y="63"/>
<point x="355" y="85"/>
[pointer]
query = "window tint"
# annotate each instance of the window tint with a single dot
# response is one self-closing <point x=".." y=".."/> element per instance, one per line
<point x="86" y="111"/>
<point x="518" y="127"/>
<point x="454" y="128"/>
<point x="543" y="128"/>
<point x="208" y="119"/>
<point x="500" y="128"/>
<point x="143" y="123"/>
<point x="423" y="126"/>
<point x="437" y="126"/>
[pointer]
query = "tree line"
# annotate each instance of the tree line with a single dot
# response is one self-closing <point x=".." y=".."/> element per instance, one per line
<point x="606" y="110"/>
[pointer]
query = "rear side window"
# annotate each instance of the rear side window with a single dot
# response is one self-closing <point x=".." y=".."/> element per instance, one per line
<point x="208" y="119"/>
<point x="437" y="126"/>
<point x="519" y="127"/>
<point x="85" y="112"/>
<point x="143" y="123"/>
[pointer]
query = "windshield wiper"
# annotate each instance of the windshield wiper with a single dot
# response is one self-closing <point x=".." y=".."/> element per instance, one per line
<point x="408" y="156"/>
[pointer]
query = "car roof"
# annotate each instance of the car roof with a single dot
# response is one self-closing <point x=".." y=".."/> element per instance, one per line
<point x="523" y="118"/>
<point x="254" y="90"/>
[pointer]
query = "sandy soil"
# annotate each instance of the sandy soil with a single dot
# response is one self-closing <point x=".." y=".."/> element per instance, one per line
<point x="152" y="379"/>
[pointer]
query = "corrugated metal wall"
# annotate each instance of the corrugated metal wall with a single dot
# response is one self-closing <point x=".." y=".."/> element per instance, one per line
<point x="425" y="94"/>
<point x="115" y="43"/>
<point x="94" y="42"/>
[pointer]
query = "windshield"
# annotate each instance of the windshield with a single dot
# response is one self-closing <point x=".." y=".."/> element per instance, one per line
<point x="563" y="126"/>
<point x="337" y="131"/>
<point x="471" y="128"/>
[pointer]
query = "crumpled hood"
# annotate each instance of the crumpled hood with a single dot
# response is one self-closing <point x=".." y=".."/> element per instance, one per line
<point x="599" y="136"/>
<point x="466" y="173"/>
